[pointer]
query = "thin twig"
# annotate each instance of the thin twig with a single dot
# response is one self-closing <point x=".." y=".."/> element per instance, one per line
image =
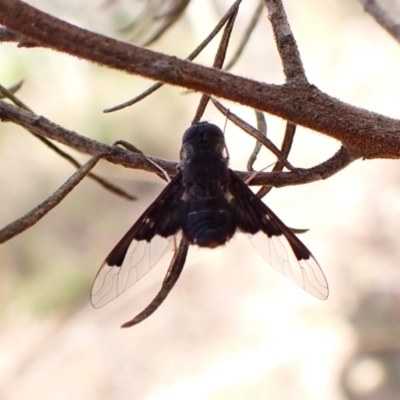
<point x="292" y="68"/>
<point x="136" y="99"/>
<point x="375" y="135"/>
<point x="104" y="183"/>
<point x="11" y="90"/>
<point x="340" y="160"/>
<point x="252" y="132"/>
<point x="218" y="63"/>
<point x="43" y="127"/>
<point x="287" y="143"/>
<point x="42" y="209"/>
<point x="174" y="271"/>
<point x="129" y="146"/>
<point x="246" y="37"/>
<point x="169" y="19"/>
<point x="285" y="148"/>
<point x="116" y="155"/>
<point x="190" y="57"/>
<point x="286" y="43"/>
<point x="151" y="13"/>
<point x="262" y="128"/>
<point x="382" y="17"/>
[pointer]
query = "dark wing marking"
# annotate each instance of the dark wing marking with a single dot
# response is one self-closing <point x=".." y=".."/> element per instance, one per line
<point x="164" y="218"/>
<point x="281" y="248"/>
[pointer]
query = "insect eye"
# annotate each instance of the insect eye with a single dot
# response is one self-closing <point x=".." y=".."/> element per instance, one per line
<point x="213" y="130"/>
<point x="201" y="128"/>
<point x="190" y="133"/>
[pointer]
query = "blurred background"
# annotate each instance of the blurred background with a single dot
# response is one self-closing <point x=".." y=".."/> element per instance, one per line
<point x="232" y="328"/>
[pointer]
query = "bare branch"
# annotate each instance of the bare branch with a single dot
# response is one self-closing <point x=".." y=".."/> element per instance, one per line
<point x="252" y="132"/>
<point x="42" y="209"/>
<point x="169" y="18"/>
<point x="136" y="99"/>
<point x="43" y="127"/>
<point x="285" y="149"/>
<point x="292" y="67"/>
<point x="262" y="128"/>
<point x="171" y="278"/>
<point x="344" y="157"/>
<point x="286" y="44"/>
<point x="374" y="135"/>
<point x="7" y="36"/>
<point x="46" y="128"/>
<point x="246" y="37"/>
<point x="382" y="17"/>
<point x="106" y="185"/>
<point x="286" y="144"/>
<point x="223" y="45"/>
<point x="218" y="62"/>
<point x="11" y="90"/>
<point x="162" y="173"/>
<point x="191" y="56"/>
<point x="168" y="12"/>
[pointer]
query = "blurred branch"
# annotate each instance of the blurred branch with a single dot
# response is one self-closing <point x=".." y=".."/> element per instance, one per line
<point x="43" y="127"/>
<point x="106" y="185"/>
<point x="10" y="91"/>
<point x="382" y="17"/>
<point x="169" y="17"/>
<point x="232" y="10"/>
<point x="166" y="11"/>
<point x="35" y="215"/>
<point x="246" y="37"/>
<point x="8" y="36"/>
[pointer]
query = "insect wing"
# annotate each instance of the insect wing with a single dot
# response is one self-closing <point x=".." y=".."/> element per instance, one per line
<point x="278" y="245"/>
<point x="142" y="246"/>
<point x="305" y="273"/>
<point x="112" y="281"/>
<point x="172" y="276"/>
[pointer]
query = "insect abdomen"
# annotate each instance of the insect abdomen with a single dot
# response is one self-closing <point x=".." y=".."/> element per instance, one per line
<point x="209" y="224"/>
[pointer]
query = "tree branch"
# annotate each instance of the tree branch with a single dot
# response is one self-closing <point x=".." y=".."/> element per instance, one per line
<point x="232" y="10"/>
<point x="382" y="17"/>
<point x="374" y="135"/>
<point x="44" y="127"/>
<point x="33" y="216"/>
<point x="286" y="43"/>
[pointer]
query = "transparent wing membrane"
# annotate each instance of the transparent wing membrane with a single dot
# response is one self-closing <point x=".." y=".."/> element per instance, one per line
<point x="111" y="282"/>
<point x="306" y="273"/>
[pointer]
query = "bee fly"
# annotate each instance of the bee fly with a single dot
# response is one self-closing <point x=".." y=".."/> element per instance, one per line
<point x="206" y="202"/>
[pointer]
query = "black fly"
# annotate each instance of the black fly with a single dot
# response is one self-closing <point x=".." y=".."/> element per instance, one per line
<point x="207" y="203"/>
